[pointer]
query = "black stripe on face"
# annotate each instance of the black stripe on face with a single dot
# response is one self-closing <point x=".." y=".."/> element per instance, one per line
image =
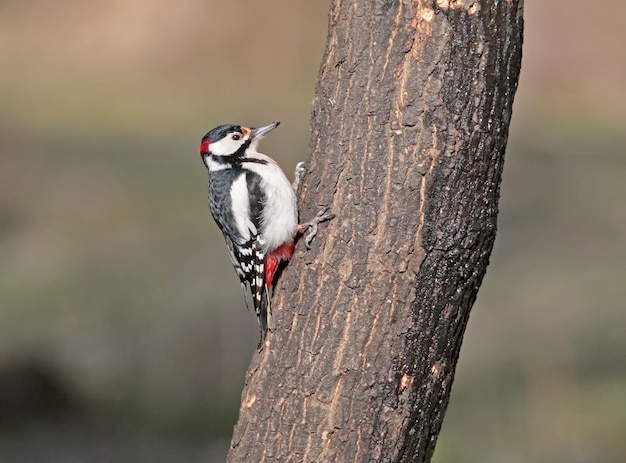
<point x="241" y="152"/>
<point x="221" y="159"/>
<point x="254" y="161"/>
<point x="236" y="162"/>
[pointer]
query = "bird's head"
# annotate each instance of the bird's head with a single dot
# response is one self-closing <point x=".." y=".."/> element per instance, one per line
<point x="233" y="140"/>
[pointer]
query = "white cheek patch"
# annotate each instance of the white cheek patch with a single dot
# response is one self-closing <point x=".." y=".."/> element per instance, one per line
<point x="226" y="146"/>
<point x="240" y="203"/>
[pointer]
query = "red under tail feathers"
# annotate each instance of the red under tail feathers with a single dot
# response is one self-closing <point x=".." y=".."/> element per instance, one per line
<point x="281" y="254"/>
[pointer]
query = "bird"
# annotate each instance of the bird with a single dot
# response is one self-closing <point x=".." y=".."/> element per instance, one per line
<point x="255" y="207"/>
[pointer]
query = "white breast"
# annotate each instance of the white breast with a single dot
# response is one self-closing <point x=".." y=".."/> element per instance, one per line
<point x="280" y="213"/>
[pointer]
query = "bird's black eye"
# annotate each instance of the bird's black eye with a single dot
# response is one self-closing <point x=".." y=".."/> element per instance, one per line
<point x="236" y="136"/>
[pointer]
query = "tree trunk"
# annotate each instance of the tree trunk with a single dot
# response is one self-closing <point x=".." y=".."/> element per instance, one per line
<point x="410" y="124"/>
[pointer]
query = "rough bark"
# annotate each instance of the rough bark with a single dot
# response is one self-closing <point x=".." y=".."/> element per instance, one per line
<point x="410" y="124"/>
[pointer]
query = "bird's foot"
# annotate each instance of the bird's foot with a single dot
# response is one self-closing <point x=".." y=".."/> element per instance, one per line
<point x="312" y="225"/>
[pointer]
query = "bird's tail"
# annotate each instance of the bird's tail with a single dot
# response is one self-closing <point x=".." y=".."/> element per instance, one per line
<point x="263" y="313"/>
<point x="264" y="282"/>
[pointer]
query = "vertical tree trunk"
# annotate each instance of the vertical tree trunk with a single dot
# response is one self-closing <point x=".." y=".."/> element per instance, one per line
<point x="410" y="125"/>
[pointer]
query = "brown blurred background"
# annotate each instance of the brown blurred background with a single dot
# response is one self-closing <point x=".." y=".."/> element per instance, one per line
<point x="123" y="336"/>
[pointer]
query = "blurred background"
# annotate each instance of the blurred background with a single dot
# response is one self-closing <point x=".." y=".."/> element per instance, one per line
<point x="123" y="336"/>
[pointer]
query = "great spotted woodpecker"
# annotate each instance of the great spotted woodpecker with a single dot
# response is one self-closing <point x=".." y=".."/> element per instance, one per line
<point x="254" y="206"/>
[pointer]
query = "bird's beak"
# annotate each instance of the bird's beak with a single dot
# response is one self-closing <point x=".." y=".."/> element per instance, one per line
<point x="260" y="132"/>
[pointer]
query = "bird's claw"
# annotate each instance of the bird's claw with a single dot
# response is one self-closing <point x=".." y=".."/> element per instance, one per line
<point x="312" y="225"/>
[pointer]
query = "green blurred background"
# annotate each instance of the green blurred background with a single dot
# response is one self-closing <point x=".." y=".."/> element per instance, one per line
<point x="123" y="336"/>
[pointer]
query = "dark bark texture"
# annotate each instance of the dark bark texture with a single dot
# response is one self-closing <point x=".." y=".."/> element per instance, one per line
<point x="410" y="124"/>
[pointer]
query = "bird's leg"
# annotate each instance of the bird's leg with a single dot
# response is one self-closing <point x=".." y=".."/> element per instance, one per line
<point x="322" y="216"/>
<point x="297" y="176"/>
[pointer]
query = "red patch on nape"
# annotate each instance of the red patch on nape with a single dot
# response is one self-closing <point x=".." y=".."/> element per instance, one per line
<point x="281" y="254"/>
<point x="204" y="147"/>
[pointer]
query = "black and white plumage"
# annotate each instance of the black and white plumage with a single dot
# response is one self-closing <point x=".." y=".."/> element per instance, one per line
<point x="254" y="206"/>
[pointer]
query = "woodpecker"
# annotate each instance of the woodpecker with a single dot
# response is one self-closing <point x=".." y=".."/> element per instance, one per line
<point x="254" y="205"/>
